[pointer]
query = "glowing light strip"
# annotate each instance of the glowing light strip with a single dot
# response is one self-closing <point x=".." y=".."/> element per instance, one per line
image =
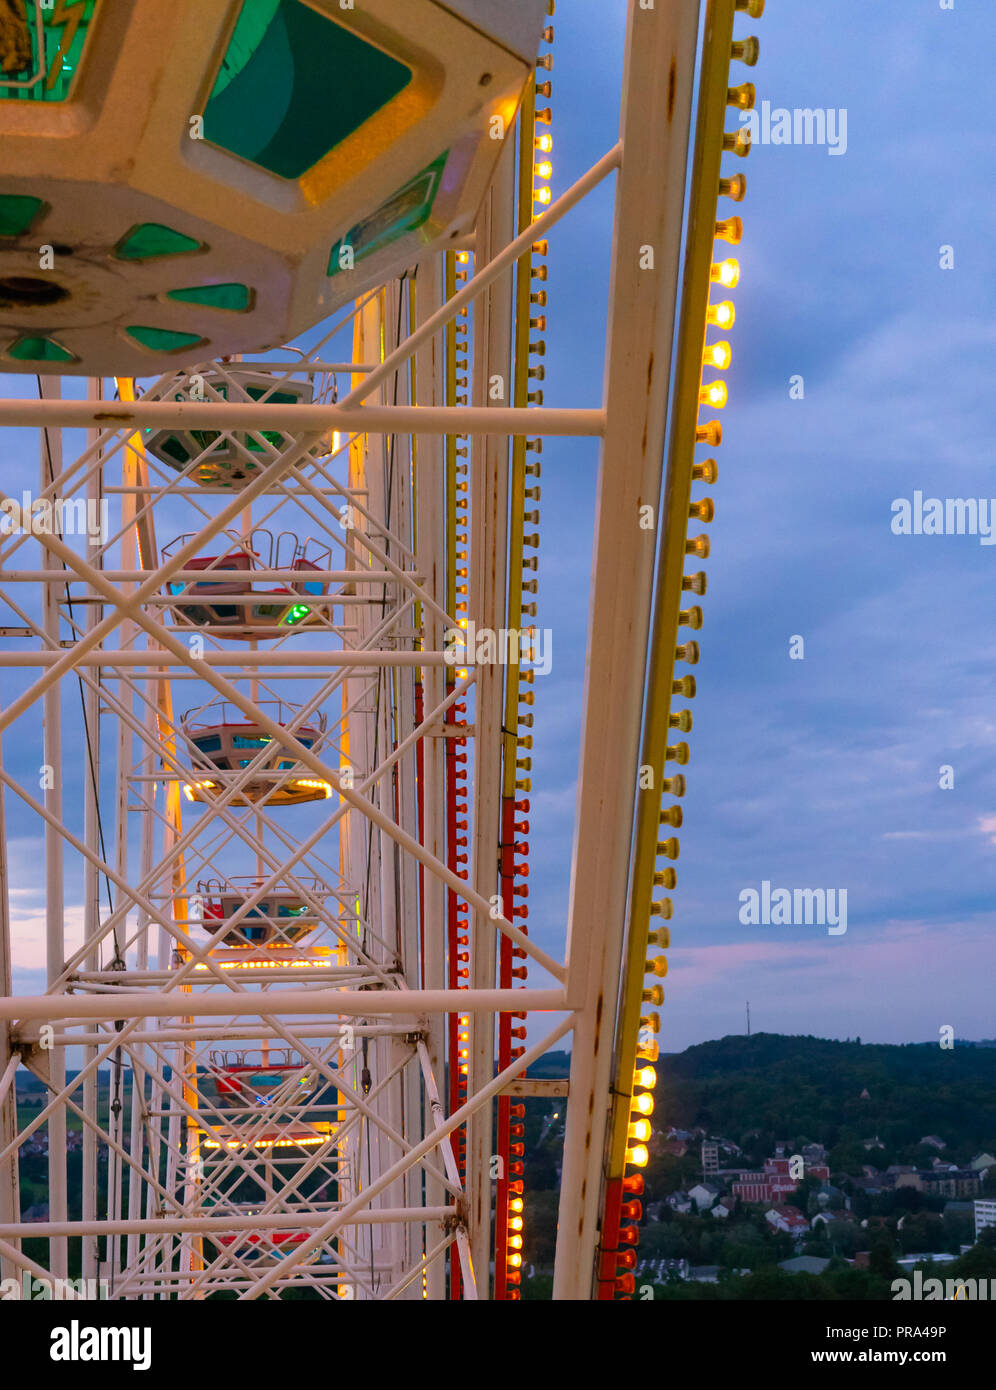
<point x="630" y="1126"/>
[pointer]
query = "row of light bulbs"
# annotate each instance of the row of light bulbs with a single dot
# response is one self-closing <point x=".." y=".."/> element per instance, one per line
<point x="456" y="748"/>
<point x="713" y="395"/>
<point x="542" y="174"/>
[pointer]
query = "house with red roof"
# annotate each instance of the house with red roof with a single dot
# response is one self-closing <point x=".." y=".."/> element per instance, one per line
<point x="788" y="1219"/>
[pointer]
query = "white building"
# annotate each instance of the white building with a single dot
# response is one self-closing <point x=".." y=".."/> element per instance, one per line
<point x="985" y="1214"/>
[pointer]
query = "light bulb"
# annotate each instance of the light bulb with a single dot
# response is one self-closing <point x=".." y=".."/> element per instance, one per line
<point x="726" y="273"/>
<point x="643" y="1103"/>
<point x="722" y="315"/>
<point x="543" y="195"/>
<point x="646" y="1076"/>
<point x="640" y="1129"/>
<point x="742" y="97"/>
<point x="638" y="1157"/>
<point x="544" y="170"/>
<point x="544" y="143"/>
<point x="718" y="355"/>
<point x="714" y="394"/>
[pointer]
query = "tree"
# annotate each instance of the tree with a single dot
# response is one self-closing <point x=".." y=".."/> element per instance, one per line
<point x="925" y="1232"/>
<point x="881" y="1261"/>
<point x="977" y="1263"/>
<point x="540" y="1227"/>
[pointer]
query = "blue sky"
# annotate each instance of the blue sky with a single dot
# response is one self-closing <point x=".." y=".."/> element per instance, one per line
<point x="822" y="772"/>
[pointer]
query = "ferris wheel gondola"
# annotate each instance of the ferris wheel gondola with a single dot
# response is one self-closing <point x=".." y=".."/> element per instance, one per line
<point x="230" y="744"/>
<point x="236" y="606"/>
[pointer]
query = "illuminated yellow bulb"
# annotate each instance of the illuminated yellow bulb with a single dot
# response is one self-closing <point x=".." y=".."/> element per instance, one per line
<point x="726" y="273"/>
<point x="515" y="1204"/>
<point x="643" y="1104"/>
<point x="464" y="1052"/>
<point x="463" y="673"/>
<point x="515" y="1261"/>
<point x="464" y="1070"/>
<point x="742" y="97"/>
<point x="718" y="355"/>
<point x="515" y="1242"/>
<point x="722" y="315"/>
<point x="645" y="1076"/>
<point x="736" y="189"/>
<point x="737" y="142"/>
<point x="463" y="257"/>
<point x="544" y="143"/>
<point x="515" y="1223"/>
<point x="714" y="394"/>
<point x="640" y="1129"/>
<point x="544" y="170"/>
<point x="638" y="1157"/>
<point x="543" y="195"/>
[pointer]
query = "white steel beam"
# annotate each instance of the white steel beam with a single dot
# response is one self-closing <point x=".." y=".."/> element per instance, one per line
<point x="655" y="124"/>
<point x="233" y="415"/>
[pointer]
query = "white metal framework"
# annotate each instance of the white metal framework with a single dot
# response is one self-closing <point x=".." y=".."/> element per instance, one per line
<point x="283" y="1037"/>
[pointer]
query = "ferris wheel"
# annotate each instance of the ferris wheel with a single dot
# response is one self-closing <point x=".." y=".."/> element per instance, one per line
<point x="272" y="626"/>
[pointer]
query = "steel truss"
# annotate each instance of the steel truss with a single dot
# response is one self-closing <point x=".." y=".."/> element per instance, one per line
<point x="355" y="1159"/>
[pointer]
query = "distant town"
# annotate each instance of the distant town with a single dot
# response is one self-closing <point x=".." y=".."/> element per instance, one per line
<point x="801" y="1170"/>
<point x="795" y="1195"/>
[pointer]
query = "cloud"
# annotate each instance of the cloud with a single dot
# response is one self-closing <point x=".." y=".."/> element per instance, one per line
<point x="28" y="934"/>
<point x="872" y="984"/>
